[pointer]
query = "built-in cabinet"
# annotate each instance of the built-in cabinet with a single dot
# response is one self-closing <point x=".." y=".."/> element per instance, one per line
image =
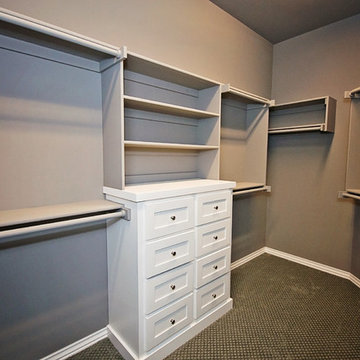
<point x="244" y="139"/>
<point x="171" y="124"/>
<point x="316" y="114"/>
<point x="89" y="119"/>
<point x="169" y="267"/>
<point x="352" y="186"/>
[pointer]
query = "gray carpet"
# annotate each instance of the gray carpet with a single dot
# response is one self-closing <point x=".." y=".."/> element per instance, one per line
<point x="282" y="310"/>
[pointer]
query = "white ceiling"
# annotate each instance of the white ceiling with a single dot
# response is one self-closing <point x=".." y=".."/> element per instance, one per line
<point x="278" y="20"/>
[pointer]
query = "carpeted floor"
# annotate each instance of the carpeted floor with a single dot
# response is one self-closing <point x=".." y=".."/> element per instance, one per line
<point x="282" y="310"/>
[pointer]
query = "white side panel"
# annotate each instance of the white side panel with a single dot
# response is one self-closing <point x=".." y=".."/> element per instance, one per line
<point x="123" y="277"/>
<point x="353" y="165"/>
<point x="113" y="126"/>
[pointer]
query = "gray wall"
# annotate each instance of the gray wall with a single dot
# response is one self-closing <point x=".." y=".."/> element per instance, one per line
<point x="56" y="286"/>
<point x="307" y="170"/>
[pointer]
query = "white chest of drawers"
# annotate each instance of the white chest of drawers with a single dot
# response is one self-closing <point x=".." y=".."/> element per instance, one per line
<point x="169" y="266"/>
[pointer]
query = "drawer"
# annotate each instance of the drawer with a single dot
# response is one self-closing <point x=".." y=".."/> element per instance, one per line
<point x="168" y="287"/>
<point x="212" y="237"/>
<point x="213" y="206"/>
<point x="212" y="266"/>
<point x="211" y="295"/>
<point x="168" y="321"/>
<point x="167" y="253"/>
<point x="168" y="216"/>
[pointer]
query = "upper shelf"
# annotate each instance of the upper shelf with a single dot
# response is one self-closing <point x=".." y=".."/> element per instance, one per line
<point x="141" y="64"/>
<point x="55" y="38"/>
<point x="164" y="108"/>
<point x="353" y="94"/>
<point x="229" y="92"/>
<point x="20" y="217"/>
<point x="317" y="114"/>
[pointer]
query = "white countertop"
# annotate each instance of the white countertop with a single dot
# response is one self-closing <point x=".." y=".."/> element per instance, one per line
<point x="158" y="190"/>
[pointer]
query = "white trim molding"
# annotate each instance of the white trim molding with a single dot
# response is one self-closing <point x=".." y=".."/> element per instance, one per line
<point x="247" y="258"/>
<point x="78" y="346"/>
<point x="297" y="259"/>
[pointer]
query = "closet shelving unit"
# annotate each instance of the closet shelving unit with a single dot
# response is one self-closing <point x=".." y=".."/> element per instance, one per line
<point x="316" y="114"/>
<point x="29" y="48"/>
<point x="352" y="186"/>
<point x="171" y="125"/>
<point x="244" y="133"/>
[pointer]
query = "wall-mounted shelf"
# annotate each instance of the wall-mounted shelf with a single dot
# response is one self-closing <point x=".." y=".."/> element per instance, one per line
<point x="158" y="145"/>
<point x="317" y="114"/>
<point x="352" y="186"/>
<point x="243" y="188"/>
<point x="37" y="220"/>
<point x="244" y="127"/>
<point x="164" y="108"/>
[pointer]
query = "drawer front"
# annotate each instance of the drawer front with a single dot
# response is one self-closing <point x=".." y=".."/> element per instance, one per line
<point x="168" y="216"/>
<point x="166" y="322"/>
<point x="211" y="295"/>
<point x="213" y="206"/>
<point x="212" y="266"/>
<point x="212" y="237"/>
<point x="168" y="287"/>
<point x="167" y="253"/>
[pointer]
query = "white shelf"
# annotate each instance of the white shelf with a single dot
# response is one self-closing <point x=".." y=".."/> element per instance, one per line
<point x="158" y="145"/>
<point x="75" y="48"/>
<point x="165" y="189"/>
<point x="164" y="108"/>
<point x="247" y="188"/>
<point x="295" y="129"/>
<point x="316" y="114"/>
<point x="230" y="92"/>
<point x="17" y="217"/>
<point x="141" y="64"/>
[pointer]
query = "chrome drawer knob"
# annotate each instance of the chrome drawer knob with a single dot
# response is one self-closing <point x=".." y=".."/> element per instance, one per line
<point x="216" y="207"/>
<point x="214" y="296"/>
<point x="172" y="321"/>
<point x="173" y="253"/>
<point x="173" y="218"/>
<point x="172" y="287"/>
<point x="215" y="267"/>
<point x="215" y="237"/>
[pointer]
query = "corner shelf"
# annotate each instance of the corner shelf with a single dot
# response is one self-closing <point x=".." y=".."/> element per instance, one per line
<point x="352" y="186"/>
<point x="243" y="144"/>
<point x="317" y="114"/>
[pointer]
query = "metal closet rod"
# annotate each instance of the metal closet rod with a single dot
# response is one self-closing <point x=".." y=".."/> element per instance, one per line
<point x="121" y="214"/>
<point x="57" y="32"/>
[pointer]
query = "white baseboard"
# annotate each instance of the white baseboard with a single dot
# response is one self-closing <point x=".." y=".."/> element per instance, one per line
<point x="247" y="258"/>
<point x="297" y="259"/>
<point x="78" y="346"/>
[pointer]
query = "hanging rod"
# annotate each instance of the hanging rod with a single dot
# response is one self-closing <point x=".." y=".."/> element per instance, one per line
<point x="121" y="214"/>
<point x="249" y="191"/>
<point x="346" y="194"/>
<point x="58" y="32"/>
